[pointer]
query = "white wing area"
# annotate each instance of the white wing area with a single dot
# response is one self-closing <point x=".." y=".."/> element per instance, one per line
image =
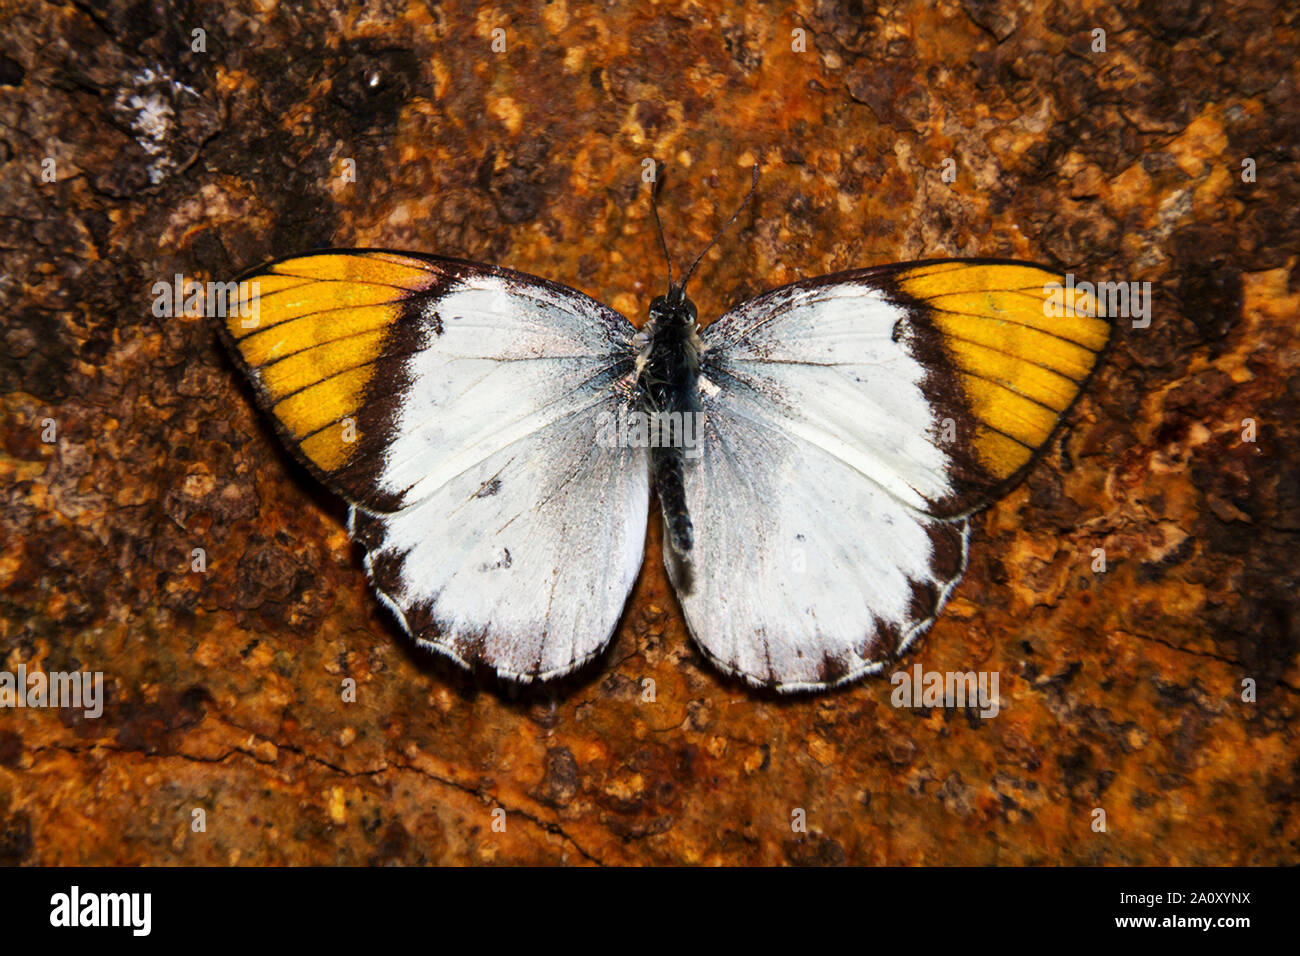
<point x="499" y="361"/>
<point x="831" y="365"/>
<point x="804" y="573"/>
<point x="522" y="562"/>
<point x="814" y="560"/>
<point x="520" y="533"/>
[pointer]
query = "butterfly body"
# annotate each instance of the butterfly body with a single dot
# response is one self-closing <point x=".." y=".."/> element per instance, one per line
<point x="668" y="393"/>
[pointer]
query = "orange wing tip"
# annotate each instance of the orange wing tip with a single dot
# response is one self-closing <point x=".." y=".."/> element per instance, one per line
<point x="1022" y="340"/>
<point x="316" y="328"/>
<point x="320" y="405"/>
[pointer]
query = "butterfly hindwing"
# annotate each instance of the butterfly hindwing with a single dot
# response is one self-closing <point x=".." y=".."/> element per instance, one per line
<point x="522" y="562"/>
<point x="851" y="422"/>
<point x="457" y="407"/>
<point x="803" y="573"/>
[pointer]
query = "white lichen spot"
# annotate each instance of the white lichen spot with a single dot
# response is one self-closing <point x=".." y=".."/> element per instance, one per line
<point x="150" y="106"/>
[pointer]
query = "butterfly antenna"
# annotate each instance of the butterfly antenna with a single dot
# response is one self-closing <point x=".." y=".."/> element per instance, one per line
<point x="739" y="209"/>
<point x="654" y="207"/>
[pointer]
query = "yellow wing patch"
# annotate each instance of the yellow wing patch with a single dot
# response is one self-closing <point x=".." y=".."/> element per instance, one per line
<point x="310" y="337"/>
<point x="313" y="297"/>
<point x="1023" y="344"/>
<point x="313" y="330"/>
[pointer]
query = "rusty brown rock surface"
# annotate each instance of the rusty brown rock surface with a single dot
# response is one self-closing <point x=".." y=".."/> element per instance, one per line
<point x="1120" y="690"/>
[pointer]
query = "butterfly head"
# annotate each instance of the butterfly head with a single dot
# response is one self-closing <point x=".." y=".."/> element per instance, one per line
<point x="673" y="306"/>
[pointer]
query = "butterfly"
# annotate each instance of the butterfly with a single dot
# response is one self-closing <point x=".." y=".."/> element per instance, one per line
<point x="833" y="438"/>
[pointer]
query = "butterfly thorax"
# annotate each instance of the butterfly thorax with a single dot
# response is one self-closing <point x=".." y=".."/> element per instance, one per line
<point x="668" y="391"/>
<point x="670" y="359"/>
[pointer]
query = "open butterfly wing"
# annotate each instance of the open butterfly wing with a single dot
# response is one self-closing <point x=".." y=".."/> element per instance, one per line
<point x="851" y="422"/>
<point x="459" y="408"/>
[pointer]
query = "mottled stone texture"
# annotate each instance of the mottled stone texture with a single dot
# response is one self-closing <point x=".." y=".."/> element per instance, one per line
<point x="1120" y="690"/>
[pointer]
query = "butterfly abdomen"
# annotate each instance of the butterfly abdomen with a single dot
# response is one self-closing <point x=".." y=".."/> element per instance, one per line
<point x="666" y="464"/>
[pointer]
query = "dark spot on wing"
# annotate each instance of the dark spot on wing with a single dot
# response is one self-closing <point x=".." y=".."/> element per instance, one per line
<point x="925" y="600"/>
<point x="488" y="488"/>
<point x="369" y="531"/>
<point x="945" y="550"/>
<point x="883" y="641"/>
<point x="435" y="323"/>
<point x="471" y="647"/>
<point x="832" y="669"/>
<point x="420" y="620"/>
<point x="500" y="564"/>
<point x="386" y="572"/>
